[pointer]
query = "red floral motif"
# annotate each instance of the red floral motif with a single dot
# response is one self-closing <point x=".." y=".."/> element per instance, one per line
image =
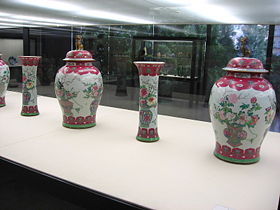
<point x="254" y="120"/>
<point x="80" y="120"/>
<point x="240" y="84"/>
<point x="81" y="70"/>
<point x="29" y="109"/>
<point x="89" y="119"/>
<point x="223" y="82"/>
<point x="261" y="86"/>
<point x="30" y="60"/>
<point x="71" y="120"/>
<point x="242" y="135"/>
<point x="143" y="92"/>
<point x="226" y="150"/>
<point x="245" y="63"/>
<point x="2" y="101"/>
<point x="24" y="78"/>
<point x="253" y="100"/>
<point x="2" y="63"/>
<point x="149" y="69"/>
<point x="227" y="132"/>
<point x="147" y="132"/>
<point x="237" y="153"/>
<point x="249" y="153"/>
<point x="78" y="54"/>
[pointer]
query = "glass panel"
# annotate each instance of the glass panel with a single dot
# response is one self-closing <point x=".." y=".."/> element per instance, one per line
<point x="194" y="56"/>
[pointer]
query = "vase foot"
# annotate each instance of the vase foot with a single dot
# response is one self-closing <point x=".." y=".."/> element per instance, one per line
<point x="79" y="126"/>
<point x="2" y="105"/>
<point x="29" y="114"/>
<point x="234" y="160"/>
<point x="147" y="139"/>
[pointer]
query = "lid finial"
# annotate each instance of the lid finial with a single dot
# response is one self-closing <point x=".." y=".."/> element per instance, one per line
<point x="79" y="42"/>
<point x="246" y="52"/>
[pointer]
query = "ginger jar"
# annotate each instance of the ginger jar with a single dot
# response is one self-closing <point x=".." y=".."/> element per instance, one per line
<point x="78" y="88"/>
<point x="242" y="107"/>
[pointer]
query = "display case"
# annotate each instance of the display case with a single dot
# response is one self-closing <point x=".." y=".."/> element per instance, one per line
<point x="183" y="58"/>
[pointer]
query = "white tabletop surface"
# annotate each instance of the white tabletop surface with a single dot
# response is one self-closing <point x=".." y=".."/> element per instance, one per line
<point x="177" y="172"/>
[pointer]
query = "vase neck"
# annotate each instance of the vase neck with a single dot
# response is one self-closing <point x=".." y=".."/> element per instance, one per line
<point x="243" y="75"/>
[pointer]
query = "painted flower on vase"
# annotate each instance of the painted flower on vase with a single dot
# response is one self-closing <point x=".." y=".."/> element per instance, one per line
<point x="236" y="121"/>
<point x="94" y="90"/>
<point x="261" y="86"/>
<point x="143" y="92"/>
<point x="151" y="101"/>
<point x="223" y="82"/>
<point x="253" y="100"/>
<point x="147" y="96"/>
<point x="145" y="118"/>
<point x="4" y="77"/>
<point x="233" y="98"/>
<point x="26" y="97"/>
<point x="24" y="78"/>
<point x="269" y="114"/>
<point x="239" y="85"/>
<point x="29" y="84"/>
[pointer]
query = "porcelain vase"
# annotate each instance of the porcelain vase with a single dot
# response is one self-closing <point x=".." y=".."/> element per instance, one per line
<point x="29" y="89"/>
<point x="242" y="107"/>
<point x="148" y="100"/>
<point x="4" y="81"/>
<point x="78" y="88"/>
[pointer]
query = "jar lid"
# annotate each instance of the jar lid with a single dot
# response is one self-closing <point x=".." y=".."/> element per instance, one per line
<point x="245" y="64"/>
<point x="78" y="55"/>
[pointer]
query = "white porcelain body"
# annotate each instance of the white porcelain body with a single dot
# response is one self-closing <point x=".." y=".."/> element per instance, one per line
<point x="29" y="85"/>
<point x="4" y="81"/>
<point x="148" y="100"/>
<point x="242" y="107"/>
<point x="78" y="88"/>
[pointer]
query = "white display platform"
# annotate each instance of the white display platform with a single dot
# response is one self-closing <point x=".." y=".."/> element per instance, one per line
<point x="178" y="172"/>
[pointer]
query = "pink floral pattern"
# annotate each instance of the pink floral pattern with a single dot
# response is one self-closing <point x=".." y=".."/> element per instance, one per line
<point x="236" y="121"/>
<point x="2" y="101"/>
<point x="148" y="133"/>
<point x="80" y="120"/>
<point x="237" y="153"/>
<point x="147" y="69"/>
<point x="239" y="84"/>
<point x="261" y="86"/>
<point x="29" y="109"/>
<point x="143" y="92"/>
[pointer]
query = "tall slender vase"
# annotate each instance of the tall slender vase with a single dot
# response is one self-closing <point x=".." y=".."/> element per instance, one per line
<point x="4" y="81"/>
<point x="148" y="100"/>
<point x="29" y="89"/>
<point x="242" y="107"/>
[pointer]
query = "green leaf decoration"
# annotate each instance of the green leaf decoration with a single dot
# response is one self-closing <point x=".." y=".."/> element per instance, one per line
<point x="244" y="106"/>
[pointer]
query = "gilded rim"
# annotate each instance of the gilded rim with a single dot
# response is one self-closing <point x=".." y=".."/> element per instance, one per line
<point x="147" y="139"/>
<point x="79" y="126"/>
<point x="233" y="160"/>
